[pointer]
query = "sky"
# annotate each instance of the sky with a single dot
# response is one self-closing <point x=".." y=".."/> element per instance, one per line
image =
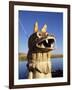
<point x="27" y="19"/>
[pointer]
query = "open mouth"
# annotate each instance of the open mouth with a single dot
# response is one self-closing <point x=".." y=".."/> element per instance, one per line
<point x="48" y="43"/>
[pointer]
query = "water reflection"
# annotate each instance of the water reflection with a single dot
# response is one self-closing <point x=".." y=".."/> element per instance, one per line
<point x="57" y="68"/>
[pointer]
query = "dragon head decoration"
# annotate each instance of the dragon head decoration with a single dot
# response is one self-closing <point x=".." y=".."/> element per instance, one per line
<point x="40" y="44"/>
<point x="41" y="41"/>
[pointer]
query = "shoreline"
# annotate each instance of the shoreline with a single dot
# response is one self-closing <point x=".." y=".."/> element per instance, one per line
<point x="23" y="56"/>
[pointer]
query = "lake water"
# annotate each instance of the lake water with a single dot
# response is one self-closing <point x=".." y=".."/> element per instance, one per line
<point x="57" y="68"/>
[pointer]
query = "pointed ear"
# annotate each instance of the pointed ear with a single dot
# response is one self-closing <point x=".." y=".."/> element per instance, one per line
<point x="36" y="27"/>
<point x="44" y="28"/>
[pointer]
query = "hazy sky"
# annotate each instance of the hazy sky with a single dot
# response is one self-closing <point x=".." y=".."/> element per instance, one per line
<point x="54" y="21"/>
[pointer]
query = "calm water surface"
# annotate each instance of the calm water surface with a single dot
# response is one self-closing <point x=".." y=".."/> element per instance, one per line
<point x="57" y="68"/>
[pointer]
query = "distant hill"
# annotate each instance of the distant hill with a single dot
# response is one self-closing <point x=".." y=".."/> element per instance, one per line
<point x="23" y="56"/>
<point x="57" y="56"/>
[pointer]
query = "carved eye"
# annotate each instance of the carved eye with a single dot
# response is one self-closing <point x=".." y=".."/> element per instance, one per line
<point x="39" y="35"/>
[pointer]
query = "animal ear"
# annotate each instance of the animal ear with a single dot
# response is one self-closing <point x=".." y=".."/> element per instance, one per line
<point x="36" y="27"/>
<point x="44" y="28"/>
